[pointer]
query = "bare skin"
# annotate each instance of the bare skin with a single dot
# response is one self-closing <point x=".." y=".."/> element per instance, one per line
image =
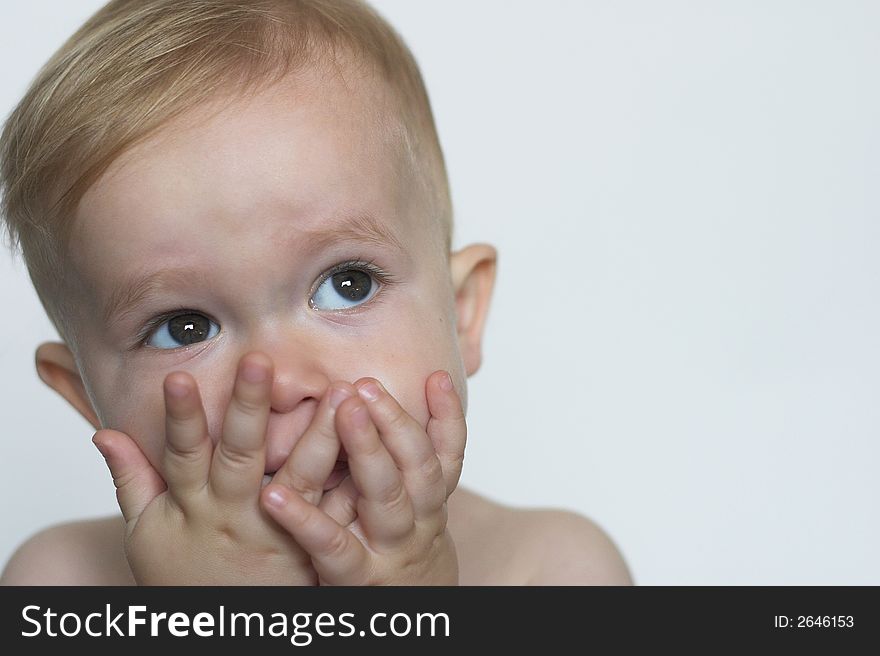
<point x="90" y="552"/>
<point x="206" y="498"/>
<point x="236" y="217"/>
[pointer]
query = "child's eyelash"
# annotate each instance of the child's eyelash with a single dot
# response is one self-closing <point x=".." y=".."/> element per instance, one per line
<point x="158" y="320"/>
<point x="367" y="266"/>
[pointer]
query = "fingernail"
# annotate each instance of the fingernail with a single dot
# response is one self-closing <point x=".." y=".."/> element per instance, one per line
<point x="253" y="372"/>
<point x="337" y="396"/>
<point x="446" y="382"/>
<point x="275" y="498"/>
<point x="369" y="391"/>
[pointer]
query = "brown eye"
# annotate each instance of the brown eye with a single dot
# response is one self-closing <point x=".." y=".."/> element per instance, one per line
<point x="183" y="330"/>
<point x="352" y="285"/>
<point x="344" y="289"/>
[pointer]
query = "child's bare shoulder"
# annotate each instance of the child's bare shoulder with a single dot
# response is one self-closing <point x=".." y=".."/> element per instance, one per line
<point x="87" y="552"/>
<point x="500" y="545"/>
<point x="497" y="545"/>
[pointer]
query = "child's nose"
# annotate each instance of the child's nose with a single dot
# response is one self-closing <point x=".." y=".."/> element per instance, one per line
<point x="288" y="392"/>
<point x="299" y="367"/>
<point x="295" y="383"/>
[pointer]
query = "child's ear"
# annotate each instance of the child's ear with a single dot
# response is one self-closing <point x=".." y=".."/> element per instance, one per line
<point x="473" y="278"/>
<point x="57" y="368"/>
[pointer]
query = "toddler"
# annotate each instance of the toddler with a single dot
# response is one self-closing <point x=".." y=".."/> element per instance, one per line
<point x="237" y="216"/>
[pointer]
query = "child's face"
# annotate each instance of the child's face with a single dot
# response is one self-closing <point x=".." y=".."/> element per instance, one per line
<point x="235" y="219"/>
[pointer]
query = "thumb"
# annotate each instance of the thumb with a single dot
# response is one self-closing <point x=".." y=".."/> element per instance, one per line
<point x="137" y="483"/>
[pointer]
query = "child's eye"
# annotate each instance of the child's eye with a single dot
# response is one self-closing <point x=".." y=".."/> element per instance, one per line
<point x="182" y="330"/>
<point x="344" y="289"/>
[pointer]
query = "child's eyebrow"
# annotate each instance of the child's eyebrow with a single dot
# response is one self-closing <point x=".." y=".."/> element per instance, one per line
<point x="363" y="229"/>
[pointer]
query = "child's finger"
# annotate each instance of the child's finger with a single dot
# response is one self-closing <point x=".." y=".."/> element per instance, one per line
<point x="312" y="459"/>
<point x="239" y="459"/>
<point x="340" y="503"/>
<point x="447" y="427"/>
<point x="186" y="460"/>
<point x="409" y="446"/>
<point x="384" y="508"/>
<point x="137" y="483"/>
<point x="336" y="553"/>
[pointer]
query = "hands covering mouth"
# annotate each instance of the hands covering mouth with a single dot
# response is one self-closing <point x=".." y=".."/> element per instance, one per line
<point x="360" y="500"/>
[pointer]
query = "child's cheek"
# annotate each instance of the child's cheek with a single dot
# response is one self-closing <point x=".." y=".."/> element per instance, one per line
<point x="137" y="410"/>
<point x="410" y="395"/>
<point x="405" y="371"/>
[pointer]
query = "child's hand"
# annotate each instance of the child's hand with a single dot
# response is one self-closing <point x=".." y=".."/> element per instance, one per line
<point x="203" y="524"/>
<point x="386" y="524"/>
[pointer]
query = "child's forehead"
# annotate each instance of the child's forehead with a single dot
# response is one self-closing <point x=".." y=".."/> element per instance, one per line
<point x="311" y="151"/>
<point x="237" y="187"/>
<point x="314" y="117"/>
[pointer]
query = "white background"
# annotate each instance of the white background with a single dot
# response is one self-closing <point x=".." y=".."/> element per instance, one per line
<point x="683" y="343"/>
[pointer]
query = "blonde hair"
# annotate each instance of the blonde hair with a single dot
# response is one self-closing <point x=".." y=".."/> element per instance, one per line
<point x="136" y="64"/>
